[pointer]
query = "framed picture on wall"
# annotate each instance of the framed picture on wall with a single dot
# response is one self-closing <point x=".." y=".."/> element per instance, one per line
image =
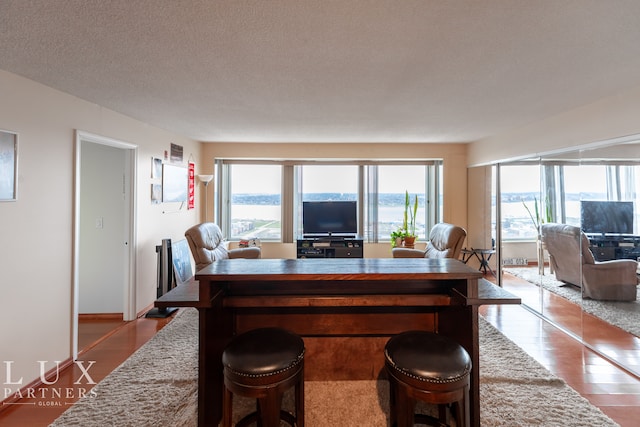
<point x="8" y="166"/>
<point x="156" y="168"/>
<point x="156" y="193"/>
<point x="174" y="183"/>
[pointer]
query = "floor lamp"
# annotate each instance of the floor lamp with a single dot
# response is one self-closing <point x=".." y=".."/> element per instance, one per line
<point x="205" y="179"/>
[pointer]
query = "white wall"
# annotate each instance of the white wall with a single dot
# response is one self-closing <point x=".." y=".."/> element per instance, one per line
<point x="36" y="231"/>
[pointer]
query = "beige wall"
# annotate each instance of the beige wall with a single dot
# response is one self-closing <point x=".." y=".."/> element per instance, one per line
<point x="454" y="170"/>
<point x="479" y="205"/>
<point x="36" y="231"/>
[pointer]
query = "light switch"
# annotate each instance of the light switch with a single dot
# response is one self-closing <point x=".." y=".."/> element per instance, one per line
<point x="99" y="223"/>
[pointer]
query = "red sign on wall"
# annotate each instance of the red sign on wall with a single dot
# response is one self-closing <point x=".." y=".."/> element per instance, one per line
<point x="192" y="177"/>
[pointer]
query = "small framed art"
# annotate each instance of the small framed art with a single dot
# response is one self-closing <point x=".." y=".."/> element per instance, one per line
<point x="8" y="166"/>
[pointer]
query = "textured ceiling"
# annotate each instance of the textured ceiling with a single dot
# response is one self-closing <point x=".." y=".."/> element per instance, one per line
<point x="328" y="71"/>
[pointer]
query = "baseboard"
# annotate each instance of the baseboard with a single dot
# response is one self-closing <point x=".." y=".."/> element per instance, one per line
<point x="100" y="316"/>
<point x="145" y="310"/>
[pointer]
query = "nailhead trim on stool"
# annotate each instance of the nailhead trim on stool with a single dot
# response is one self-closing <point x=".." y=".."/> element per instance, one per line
<point x="424" y="366"/>
<point x="262" y="364"/>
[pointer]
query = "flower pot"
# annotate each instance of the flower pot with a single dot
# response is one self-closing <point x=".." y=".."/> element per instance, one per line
<point x="409" y="242"/>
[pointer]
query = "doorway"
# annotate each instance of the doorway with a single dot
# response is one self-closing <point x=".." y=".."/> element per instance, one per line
<point x="104" y="224"/>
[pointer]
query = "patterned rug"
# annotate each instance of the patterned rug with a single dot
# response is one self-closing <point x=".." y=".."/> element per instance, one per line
<point x="623" y="314"/>
<point x="157" y="386"/>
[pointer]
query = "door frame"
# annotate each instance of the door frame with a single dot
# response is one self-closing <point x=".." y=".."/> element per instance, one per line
<point x="131" y="162"/>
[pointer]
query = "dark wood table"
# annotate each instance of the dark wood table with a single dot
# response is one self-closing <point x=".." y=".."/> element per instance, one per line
<point x="345" y="309"/>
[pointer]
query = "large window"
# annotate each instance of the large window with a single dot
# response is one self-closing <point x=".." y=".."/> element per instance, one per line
<point x="393" y="181"/>
<point x="585" y="182"/>
<point x="520" y="193"/>
<point x="264" y="199"/>
<point x="254" y="207"/>
<point x="564" y="185"/>
<point x="325" y="183"/>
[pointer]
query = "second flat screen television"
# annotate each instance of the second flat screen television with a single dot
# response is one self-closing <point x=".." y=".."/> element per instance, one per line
<point x="329" y="218"/>
<point x="604" y="217"/>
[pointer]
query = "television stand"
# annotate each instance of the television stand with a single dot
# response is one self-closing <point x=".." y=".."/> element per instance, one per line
<point x="329" y="247"/>
<point x="610" y="247"/>
<point x="329" y="236"/>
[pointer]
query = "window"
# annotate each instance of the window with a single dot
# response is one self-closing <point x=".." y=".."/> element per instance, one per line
<point x="393" y="181"/>
<point x="582" y="182"/>
<point x="254" y="208"/>
<point x="519" y="188"/>
<point x="325" y="183"/>
<point x="565" y="185"/>
<point x="264" y="199"/>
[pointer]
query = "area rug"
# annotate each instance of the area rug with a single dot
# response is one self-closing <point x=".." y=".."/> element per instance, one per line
<point x="623" y="314"/>
<point x="157" y="386"/>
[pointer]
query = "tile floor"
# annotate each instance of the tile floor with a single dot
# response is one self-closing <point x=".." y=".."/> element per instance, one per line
<point x="614" y="390"/>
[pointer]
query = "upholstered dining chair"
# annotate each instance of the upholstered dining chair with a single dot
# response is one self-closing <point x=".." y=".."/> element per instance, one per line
<point x="445" y="241"/>
<point x="207" y="245"/>
<point x="573" y="263"/>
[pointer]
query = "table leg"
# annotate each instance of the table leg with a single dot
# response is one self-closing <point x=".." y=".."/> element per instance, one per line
<point x="484" y="263"/>
<point x="487" y="265"/>
<point x="461" y="324"/>
<point x="214" y="334"/>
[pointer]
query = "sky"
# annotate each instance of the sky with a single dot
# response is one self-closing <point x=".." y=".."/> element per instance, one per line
<point x="327" y="179"/>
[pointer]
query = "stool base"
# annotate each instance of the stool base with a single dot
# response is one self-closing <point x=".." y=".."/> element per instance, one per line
<point x="268" y="400"/>
<point x="404" y="397"/>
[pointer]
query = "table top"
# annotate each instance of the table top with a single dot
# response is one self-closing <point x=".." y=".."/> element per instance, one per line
<point x="478" y="251"/>
<point x="337" y="269"/>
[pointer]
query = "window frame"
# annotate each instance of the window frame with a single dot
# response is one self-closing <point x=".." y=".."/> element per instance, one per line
<point x="291" y="197"/>
<point x="553" y="184"/>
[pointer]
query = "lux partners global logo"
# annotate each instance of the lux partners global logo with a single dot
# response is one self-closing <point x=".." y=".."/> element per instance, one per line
<point x="53" y="391"/>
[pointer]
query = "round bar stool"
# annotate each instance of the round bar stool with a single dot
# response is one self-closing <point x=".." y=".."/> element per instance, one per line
<point x="262" y="364"/>
<point x="427" y="367"/>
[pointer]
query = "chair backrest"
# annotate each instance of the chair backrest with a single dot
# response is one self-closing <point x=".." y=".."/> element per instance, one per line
<point x="445" y="241"/>
<point x="206" y="244"/>
<point x="568" y="249"/>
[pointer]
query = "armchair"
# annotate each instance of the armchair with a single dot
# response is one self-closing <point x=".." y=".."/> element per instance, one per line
<point x="445" y="241"/>
<point x="208" y="245"/>
<point x="573" y="263"/>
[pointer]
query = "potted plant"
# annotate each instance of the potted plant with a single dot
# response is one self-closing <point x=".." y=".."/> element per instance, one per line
<point x="397" y="237"/>
<point x="406" y="235"/>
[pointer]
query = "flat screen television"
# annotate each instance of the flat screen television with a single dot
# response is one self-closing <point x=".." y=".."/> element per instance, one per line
<point x="600" y="217"/>
<point x="329" y="218"/>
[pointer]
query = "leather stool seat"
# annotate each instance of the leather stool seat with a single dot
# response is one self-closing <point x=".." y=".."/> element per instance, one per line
<point x="424" y="366"/>
<point x="262" y="364"/>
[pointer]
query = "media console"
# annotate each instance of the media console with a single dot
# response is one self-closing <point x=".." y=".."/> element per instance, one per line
<point x="329" y="247"/>
<point x="608" y="247"/>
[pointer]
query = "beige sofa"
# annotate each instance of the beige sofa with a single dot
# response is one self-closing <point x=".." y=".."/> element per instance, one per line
<point x="208" y="245"/>
<point x="445" y="241"/>
<point x="573" y="263"/>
